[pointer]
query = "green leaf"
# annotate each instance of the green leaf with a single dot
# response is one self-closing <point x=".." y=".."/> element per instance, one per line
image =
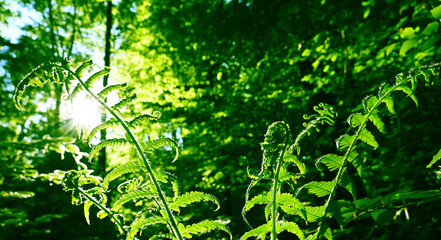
<point x="320" y="189"/>
<point x="84" y="65"/>
<point x="104" y="125"/>
<point x="162" y="142"/>
<point x="384" y="89"/>
<point x="259" y="199"/>
<point x="332" y="161"/>
<point x="369" y="102"/>
<point x="107" y="143"/>
<point x="132" y="196"/>
<point x="87" y="206"/>
<point x="110" y="89"/>
<point x="208" y="226"/>
<point x="288" y="200"/>
<point x="389" y="104"/>
<point x="344" y="141"/>
<point x="102" y="214"/>
<point x="367" y="137"/>
<point x="430" y="29"/>
<point x="435" y="159"/>
<point x="314" y="213"/>
<point x="290" y="157"/>
<point x="192" y="197"/>
<point x="409" y="92"/>
<point x="257" y="232"/>
<point x="347" y="183"/>
<point x="356" y="119"/>
<point x="436" y="12"/>
<point x="343" y="211"/>
<point x="89" y="82"/>
<point x="407" y="45"/>
<point x="139" y="224"/>
<point x="289" y="227"/>
<point x="145" y="117"/>
<point x="118" y="171"/>
<point x="383" y="216"/>
<point x="376" y="120"/>
<point x="124" y="102"/>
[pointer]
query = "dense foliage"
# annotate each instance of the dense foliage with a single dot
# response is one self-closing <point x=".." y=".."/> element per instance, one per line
<point x="220" y="72"/>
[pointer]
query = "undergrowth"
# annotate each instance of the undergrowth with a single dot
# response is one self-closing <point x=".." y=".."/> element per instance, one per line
<point x="283" y="211"/>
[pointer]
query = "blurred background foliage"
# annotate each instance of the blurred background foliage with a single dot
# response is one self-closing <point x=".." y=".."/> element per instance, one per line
<point x="220" y="72"/>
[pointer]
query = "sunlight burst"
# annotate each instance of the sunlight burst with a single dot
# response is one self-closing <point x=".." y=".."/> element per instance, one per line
<point x="85" y="111"/>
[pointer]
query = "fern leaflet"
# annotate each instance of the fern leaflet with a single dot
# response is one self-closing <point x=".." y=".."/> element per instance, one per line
<point x="128" y="167"/>
<point x="107" y="143"/>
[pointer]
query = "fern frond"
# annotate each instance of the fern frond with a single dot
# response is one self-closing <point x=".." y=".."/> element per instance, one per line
<point x="84" y="65"/>
<point x="144" y="117"/>
<point x="34" y="78"/>
<point x="192" y="197"/>
<point x="288" y="200"/>
<point x="313" y="213"/>
<point x="258" y="232"/>
<point x="132" y="196"/>
<point x="128" y="167"/>
<point x="369" y="102"/>
<point x="208" y="226"/>
<point x="175" y="187"/>
<point x="103" y="93"/>
<point x="367" y="137"/>
<point x="162" y="142"/>
<point x="103" y="72"/>
<point x="87" y="205"/>
<point x="344" y="141"/>
<point x="355" y="119"/>
<point x="139" y="224"/>
<point x="320" y="189"/>
<point x="124" y="102"/>
<point x="389" y="104"/>
<point x="259" y="199"/>
<point x="435" y="159"/>
<point x="290" y="227"/>
<point x="104" y="125"/>
<point x="409" y="92"/>
<point x="347" y="183"/>
<point x="290" y="157"/>
<point x="331" y="161"/>
<point x="107" y="143"/>
<point x="376" y="120"/>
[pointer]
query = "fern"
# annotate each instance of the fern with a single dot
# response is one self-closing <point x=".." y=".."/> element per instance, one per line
<point x="90" y="191"/>
<point x="344" y="211"/>
<point x="279" y="150"/>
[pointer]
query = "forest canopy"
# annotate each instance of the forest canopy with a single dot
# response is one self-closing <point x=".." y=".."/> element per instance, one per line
<point x="223" y="119"/>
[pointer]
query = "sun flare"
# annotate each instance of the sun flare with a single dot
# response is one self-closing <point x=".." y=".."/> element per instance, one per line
<point x="85" y="111"/>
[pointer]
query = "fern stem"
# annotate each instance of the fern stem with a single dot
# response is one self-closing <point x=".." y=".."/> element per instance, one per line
<point x="104" y="208"/>
<point x="276" y="187"/>
<point x="151" y="176"/>
<point x="342" y="168"/>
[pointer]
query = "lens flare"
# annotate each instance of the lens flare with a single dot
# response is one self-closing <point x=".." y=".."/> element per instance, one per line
<point x="85" y="111"/>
